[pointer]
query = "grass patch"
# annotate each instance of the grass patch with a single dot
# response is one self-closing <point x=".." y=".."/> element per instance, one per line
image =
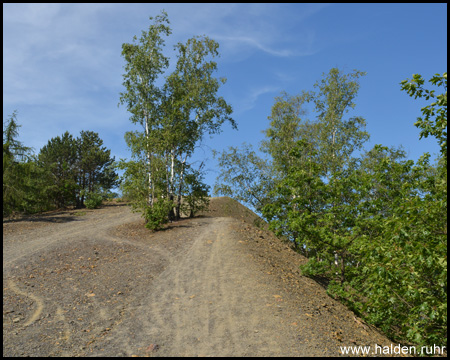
<point x="79" y="213"/>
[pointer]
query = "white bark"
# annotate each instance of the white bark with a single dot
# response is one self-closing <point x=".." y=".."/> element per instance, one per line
<point x="149" y="156"/>
<point x="149" y="164"/>
<point x="172" y="171"/>
<point x="180" y="188"/>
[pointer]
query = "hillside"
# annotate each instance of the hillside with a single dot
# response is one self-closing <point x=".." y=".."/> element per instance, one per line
<point x="98" y="283"/>
<point x="281" y="263"/>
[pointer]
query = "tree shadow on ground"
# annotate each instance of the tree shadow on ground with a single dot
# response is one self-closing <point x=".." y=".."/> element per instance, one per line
<point x="63" y="215"/>
<point x="184" y="222"/>
<point x="57" y="217"/>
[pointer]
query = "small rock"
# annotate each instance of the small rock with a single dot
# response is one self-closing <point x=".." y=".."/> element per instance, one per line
<point x="16" y="320"/>
<point x="152" y="347"/>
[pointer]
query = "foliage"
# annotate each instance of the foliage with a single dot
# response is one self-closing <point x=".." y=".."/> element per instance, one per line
<point x="196" y="197"/>
<point x="12" y="147"/>
<point x="379" y="237"/>
<point x="144" y="63"/>
<point x="76" y="166"/>
<point x="157" y="215"/>
<point x="175" y="116"/>
<point x="93" y="200"/>
<point x="64" y="170"/>
<point x="94" y="166"/>
<point x="437" y="109"/>
<point x="20" y="193"/>
<point x="59" y="159"/>
<point x="287" y="126"/>
<point x="244" y="175"/>
<point x="337" y="138"/>
<point x="373" y="226"/>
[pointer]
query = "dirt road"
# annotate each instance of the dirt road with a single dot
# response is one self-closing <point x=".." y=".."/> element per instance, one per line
<point x="98" y="284"/>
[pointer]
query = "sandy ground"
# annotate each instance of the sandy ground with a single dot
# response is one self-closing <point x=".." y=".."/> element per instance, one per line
<point x="97" y="283"/>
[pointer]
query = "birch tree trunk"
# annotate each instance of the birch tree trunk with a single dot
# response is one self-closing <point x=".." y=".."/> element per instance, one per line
<point x="180" y="188"/>
<point x="149" y="164"/>
<point x="171" y="185"/>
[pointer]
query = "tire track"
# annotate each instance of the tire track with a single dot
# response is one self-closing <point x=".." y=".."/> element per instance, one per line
<point x="191" y="284"/>
<point x="64" y="232"/>
<point x="221" y="330"/>
<point x="196" y="305"/>
<point x="60" y="316"/>
<point x="37" y="300"/>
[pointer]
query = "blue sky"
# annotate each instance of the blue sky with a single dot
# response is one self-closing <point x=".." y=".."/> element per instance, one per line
<point x="62" y="64"/>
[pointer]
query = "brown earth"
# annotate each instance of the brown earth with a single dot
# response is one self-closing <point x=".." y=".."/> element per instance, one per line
<point x="97" y="283"/>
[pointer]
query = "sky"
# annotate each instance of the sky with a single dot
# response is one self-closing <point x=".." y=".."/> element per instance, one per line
<point x="63" y="68"/>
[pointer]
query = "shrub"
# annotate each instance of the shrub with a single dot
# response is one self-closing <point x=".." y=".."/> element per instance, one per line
<point x="93" y="200"/>
<point x="158" y="214"/>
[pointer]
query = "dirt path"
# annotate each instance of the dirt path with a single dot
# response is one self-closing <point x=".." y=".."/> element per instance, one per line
<point x="49" y="230"/>
<point x="209" y="302"/>
<point x="101" y="285"/>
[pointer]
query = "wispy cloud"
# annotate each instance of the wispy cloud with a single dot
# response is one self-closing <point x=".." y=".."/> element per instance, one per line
<point x="41" y="58"/>
<point x="62" y="62"/>
<point x="238" y="43"/>
<point x="249" y="101"/>
<point x="248" y="41"/>
<point x="243" y="29"/>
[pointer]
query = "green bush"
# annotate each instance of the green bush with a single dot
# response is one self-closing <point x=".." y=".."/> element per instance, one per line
<point x="158" y="214"/>
<point x="195" y="194"/>
<point x="93" y="200"/>
<point x="195" y="202"/>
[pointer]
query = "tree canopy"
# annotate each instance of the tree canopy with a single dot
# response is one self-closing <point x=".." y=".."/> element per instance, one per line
<point x="372" y="224"/>
<point x="65" y="172"/>
<point x="175" y="117"/>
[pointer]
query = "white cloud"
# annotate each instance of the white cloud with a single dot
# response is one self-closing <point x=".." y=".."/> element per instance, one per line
<point x="46" y="62"/>
<point x="242" y="29"/>
<point x="250" y="100"/>
<point x="36" y="15"/>
<point x="46" y="45"/>
<point x="239" y="43"/>
<point x="62" y="68"/>
<point x="245" y="40"/>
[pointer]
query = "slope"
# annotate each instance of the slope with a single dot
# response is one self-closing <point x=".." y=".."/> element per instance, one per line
<point x="101" y="284"/>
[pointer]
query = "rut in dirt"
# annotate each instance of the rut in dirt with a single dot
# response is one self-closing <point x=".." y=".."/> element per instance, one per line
<point x="210" y="301"/>
<point x="207" y="303"/>
<point x="103" y="285"/>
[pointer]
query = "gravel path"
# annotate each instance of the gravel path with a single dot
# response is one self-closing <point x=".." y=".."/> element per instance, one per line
<point x="96" y="283"/>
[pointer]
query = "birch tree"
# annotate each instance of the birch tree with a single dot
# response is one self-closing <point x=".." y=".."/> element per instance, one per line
<point x="145" y="62"/>
<point x="192" y="106"/>
<point x="175" y="116"/>
<point x="338" y="138"/>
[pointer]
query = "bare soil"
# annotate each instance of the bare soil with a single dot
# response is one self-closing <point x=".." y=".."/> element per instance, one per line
<point x="98" y="283"/>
